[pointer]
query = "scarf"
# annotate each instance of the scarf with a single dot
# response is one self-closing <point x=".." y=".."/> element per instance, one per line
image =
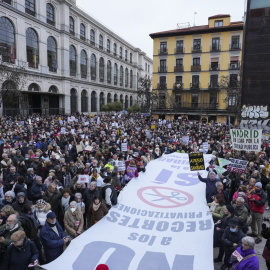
<point x="73" y="220"/>
<point x="96" y="206"/>
<point x="65" y="202"/>
<point x="95" y="178"/>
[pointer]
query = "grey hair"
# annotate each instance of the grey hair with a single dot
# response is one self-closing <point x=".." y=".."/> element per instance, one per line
<point x="29" y="170"/>
<point x="249" y="240"/>
<point x="78" y="195"/>
<point x="38" y="177"/>
<point x="95" y="183"/>
<point x="15" y="218"/>
<point x="241" y="199"/>
<point x="73" y="203"/>
<point x="212" y="173"/>
<point x="10" y="193"/>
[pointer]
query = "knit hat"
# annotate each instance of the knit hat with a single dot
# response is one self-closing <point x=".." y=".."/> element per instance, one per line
<point x="132" y="163"/>
<point x="233" y="222"/>
<point x="259" y="185"/>
<point x="230" y="208"/>
<point x="51" y="215"/>
<point x="21" y="194"/>
<point x="102" y="267"/>
<point x="40" y="202"/>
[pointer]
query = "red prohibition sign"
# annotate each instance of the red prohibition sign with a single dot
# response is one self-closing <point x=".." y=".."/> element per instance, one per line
<point x="157" y="194"/>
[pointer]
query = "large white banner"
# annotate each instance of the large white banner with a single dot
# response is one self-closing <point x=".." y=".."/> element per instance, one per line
<point x="161" y="222"/>
<point x="246" y="139"/>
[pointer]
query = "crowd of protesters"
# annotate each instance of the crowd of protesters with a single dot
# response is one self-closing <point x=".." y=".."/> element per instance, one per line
<point x="44" y="204"/>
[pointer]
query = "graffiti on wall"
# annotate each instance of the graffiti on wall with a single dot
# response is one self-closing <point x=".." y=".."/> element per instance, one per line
<point x="255" y="117"/>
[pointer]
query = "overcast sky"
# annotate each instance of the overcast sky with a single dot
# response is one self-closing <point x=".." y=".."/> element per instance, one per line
<point x="134" y="21"/>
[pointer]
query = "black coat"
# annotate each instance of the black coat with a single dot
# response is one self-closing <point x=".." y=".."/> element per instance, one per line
<point x="89" y="196"/>
<point x="229" y="238"/>
<point x="53" y="200"/>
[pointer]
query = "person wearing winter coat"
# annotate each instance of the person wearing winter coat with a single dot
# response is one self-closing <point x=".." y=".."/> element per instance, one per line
<point x="52" y="238"/>
<point x="131" y="170"/>
<point x="73" y="220"/>
<point x="217" y="207"/>
<point x="250" y="261"/>
<point x="9" y="198"/>
<point x="21" y="201"/>
<point x="21" y="253"/>
<point x="97" y="210"/>
<point x="41" y="209"/>
<point x="37" y="189"/>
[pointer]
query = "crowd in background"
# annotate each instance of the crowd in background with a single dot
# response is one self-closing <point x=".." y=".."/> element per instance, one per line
<point x="45" y="203"/>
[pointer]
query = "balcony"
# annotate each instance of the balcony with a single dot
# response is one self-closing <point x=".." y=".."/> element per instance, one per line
<point x="195" y="86"/>
<point x="82" y="38"/>
<point x="115" y="54"/>
<point x="100" y="47"/>
<point x="234" y="65"/>
<point x="197" y="49"/>
<point x="51" y="22"/>
<point x="126" y="59"/>
<point x="213" y="86"/>
<point x="179" y="50"/>
<point x="235" y="47"/>
<point x="72" y="33"/>
<point x="178" y="86"/>
<point x="7" y="1"/>
<point x="233" y="84"/>
<point x="92" y="43"/>
<point x="120" y="56"/>
<point x="115" y="82"/>
<point x="213" y="67"/>
<point x="178" y="68"/>
<point x="162" y="69"/>
<point x="196" y="68"/>
<point x="162" y="86"/>
<point x="108" y="51"/>
<point x="101" y="79"/>
<point x="30" y="12"/>
<point x="163" y="51"/>
<point x="215" y="48"/>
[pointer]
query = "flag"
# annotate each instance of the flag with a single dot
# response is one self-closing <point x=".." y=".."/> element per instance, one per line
<point x="55" y="65"/>
<point x="12" y="53"/>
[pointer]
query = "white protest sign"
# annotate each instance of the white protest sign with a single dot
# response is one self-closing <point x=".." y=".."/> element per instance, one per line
<point x="91" y="120"/>
<point x="121" y="166"/>
<point x="98" y="120"/>
<point x="86" y="123"/>
<point x="156" y="224"/>
<point x="83" y="179"/>
<point x="205" y="146"/>
<point x="169" y="125"/>
<point x="29" y="121"/>
<point x="246" y="139"/>
<point x="185" y="139"/>
<point x="73" y="131"/>
<point x="71" y="118"/>
<point x="123" y="147"/>
<point x="237" y="165"/>
<point x="237" y="255"/>
<point x="63" y="130"/>
<point x="148" y="134"/>
<point x="61" y="122"/>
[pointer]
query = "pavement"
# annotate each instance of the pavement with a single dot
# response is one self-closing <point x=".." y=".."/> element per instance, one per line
<point x="258" y="249"/>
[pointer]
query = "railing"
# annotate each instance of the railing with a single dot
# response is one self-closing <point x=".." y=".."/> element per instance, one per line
<point x="33" y="65"/>
<point x="51" y="22"/>
<point x="196" y="106"/>
<point x="30" y="12"/>
<point x="115" y="54"/>
<point x="120" y="56"/>
<point x="197" y="48"/>
<point x="101" y="79"/>
<point x="213" y="86"/>
<point x="162" y="86"/>
<point x="178" y="68"/>
<point x="215" y="48"/>
<point x="214" y="67"/>
<point x="162" y="69"/>
<point x="233" y="84"/>
<point x="163" y="51"/>
<point x="25" y="112"/>
<point x="196" y="68"/>
<point x="72" y="33"/>
<point x="115" y="82"/>
<point x="100" y="47"/>
<point x="7" y="1"/>
<point x="126" y="59"/>
<point x="179" y="50"/>
<point x="195" y="85"/>
<point x="178" y="86"/>
<point x="235" y="47"/>
<point x="235" y="65"/>
<point x="82" y="38"/>
<point x="108" y="51"/>
<point x="92" y="43"/>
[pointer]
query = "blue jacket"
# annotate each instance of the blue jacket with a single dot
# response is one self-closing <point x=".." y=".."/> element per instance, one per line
<point x="52" y="243"/>
<point x="211" y="189"/>
<point x="36" y="191"/>
<point x="19" y="258"/>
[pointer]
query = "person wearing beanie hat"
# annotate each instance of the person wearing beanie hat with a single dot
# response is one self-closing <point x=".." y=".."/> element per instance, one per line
<point x="102" y="267"/>
<point x="52" y="238"/>
<point x="131" y="170"/>
<point x="41" y="209"/>
<point x="21" y="201"/>
<point x="256" y="201"/>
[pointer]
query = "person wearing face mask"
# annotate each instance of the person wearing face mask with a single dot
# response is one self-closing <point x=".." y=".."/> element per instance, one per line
<point x="52" y="238"/>
<point x="231" y="240"/>
<point x="9" y="198"/>
<point x="21" y="201"/>
<point x="80" y="204"/>
<point x="73" y="220"/>
<point x="21" y="253"/>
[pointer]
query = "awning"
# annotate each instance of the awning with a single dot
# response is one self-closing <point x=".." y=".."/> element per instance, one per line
<point x="234" y="58"/>
<point x="214" y="60"/>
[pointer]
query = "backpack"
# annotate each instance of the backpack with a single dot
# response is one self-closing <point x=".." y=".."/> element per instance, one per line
<point x="113" y="194"/>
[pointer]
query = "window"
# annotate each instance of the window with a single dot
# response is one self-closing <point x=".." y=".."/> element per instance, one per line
<point x="163" y="66"/>
<point x="233" y="80"/>
<point x="108" y="46"/>
<point x="163" y="48"/>
<point x="125" y="55"/>
<point x="121" y="75"/>
<point x="235" y="43"/>
<point x="92" y="37"/>
<point x="126" y="102"/>
<point x="71" y="26"/>
<point x="194" y="101"/>
<point x="131" y="79"/>
<point x="234" y="62"/>
<point x="162" y="83"/>
<point x="121" y="99"/>
<point x="231" y="100"/>
<point x="179" y="46"/>
<point x="115" y="74"/>
<point x="50" y="14"/>
<point x="32" y="48"/>
<point x="162" y="100"/>
<point x="213" y="81"/>
<point x="93" y="67"/>
<point x="109" y="71"/>
<point x="83" y="64"/>
<point x="126" y="77"/>
<point x="219" y="23"/>
<point x="73" y="100"/>
<point x="109" y="98"/>
<point x="195" y="82"/>
<point x="196" y="61"/>
<point x="214" y="63"/>
<point x="7" y="1"/>
<point x="52" y="54"/>
<point x="215" y="45"/>
<point x="148" y="68"/>
<point x="84" y="101"/>
<point x="196" y="65"/>
<point x="178" y="100"/>
<point x="53" y="89"/>
<point x="82" y="31"/>
<point x="93" y="101"/>
<point x="178" y="82"/>
<point x="114" y="49"/>
<point x="196" y="45"/>
<point x="130" y="101"/>
<point x="7" y="40"/>
<point x="101" y="42"/>
<point x="115" y="98"/>
<point x="130" y="58"/>
<point x="72" y="60"/>
<point x="213" y="100"/>
<point x="30" y="7"/>
<point x="120" y="52"/>
<point x="101" y="100"/>
<point x="145" y="67"/>
<point x="33" y="87"/>
<point x="101" y="69"/>
<point x="179" y="62"/>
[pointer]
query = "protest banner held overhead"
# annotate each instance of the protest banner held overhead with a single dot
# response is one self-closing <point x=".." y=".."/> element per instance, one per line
<point x="196" y="161"/>
<point x="237" y="165"/>
<point x="155" y="226"/>
<point x="246" y="140"/>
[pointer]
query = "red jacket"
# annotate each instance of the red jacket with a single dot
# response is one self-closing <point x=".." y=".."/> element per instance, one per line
<point x="259" y="204"/>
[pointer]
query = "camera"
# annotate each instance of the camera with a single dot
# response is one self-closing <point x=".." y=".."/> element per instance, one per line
<point x="266" y="219"/>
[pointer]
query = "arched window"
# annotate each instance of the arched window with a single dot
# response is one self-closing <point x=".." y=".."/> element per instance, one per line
<point x="73" y="100"/>
<point x="126" y="77"/>
<point x="71" y="26"/>
<point x="32" y="48"/>
<point x="120" y="52"/>
<point x="109" y="72"/>
<point x="7" y="40"/>
<point x="109" y="98"/>
<point x="93" y="67"/>
<point x="92" y="37"/>
<point x="115" y="98"/>
<point x="72" y="60"/>
<point x="131" y="79"/>
<point x="33" y="87"/>
<point x="83" y="64"/>
<point x="137" y="80"/>
<point x="125" y="55"/>
<point x="84" y="101"/>
<point x="130" y="57"/>
<point x="101" y="69"/>
<point x="52" y="54"/>
<point x="30" y="7"/>
<point x="53" y="89"/>
<point x="50" y="14"/>
<point x="101" y="42"/>
<point x="93" y="101"/>
<point x="121" y="75"/>
<point x="82" y="31"/>
<point x="108" y="46"/>
<point x="10" y="97"/>
<point x="101" y="101"/>
<point x="122" y="100"/>
<point x="114" y="49"/>
<point x="131" y="101"/>
<point x="115" y="74"/>
<point x="126" y="102"/>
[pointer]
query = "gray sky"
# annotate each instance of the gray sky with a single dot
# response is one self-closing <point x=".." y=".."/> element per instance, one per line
<point x="134" y="21"/>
